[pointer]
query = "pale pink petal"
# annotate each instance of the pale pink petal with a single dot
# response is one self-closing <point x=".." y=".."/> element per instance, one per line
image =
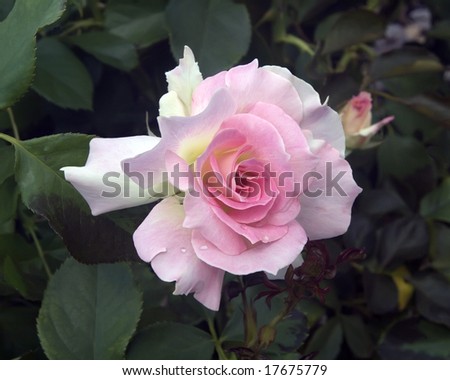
<point x="248" y="85"/>
<point x="328" y="197"/>
<point x="261" y="257"/>
<point x="199" y="216"/>
<point x="321" y="120"/>
<point x="187" y="137"/>
<point x="102" y="182"/>
<point x="162" y="240"/>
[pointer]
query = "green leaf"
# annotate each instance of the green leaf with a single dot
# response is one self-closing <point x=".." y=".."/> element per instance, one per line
<point x="436" y="205"/>
<point x="396" y="150"/>
<point x="171" y="341"/>
<point x="356" y="336"/>
<point x="353" y="27"/>
<point x="7" y="160"/>
<point x="441" y="29"/>
<point x="415" y="339"/>
<point x="326" y="341"/>
<point x="18" y="43"/>
<point x="217" y="31"/>
<point x="402" y="240"/>
<point x="142" y="23"/>
<point x="381" y="293"/>
<point x="440" y="257"/>
<point x="410" y="60"/>
<point x="61" y="78"/>
<point x="104" y="238"/>
<point x="433" y="297"/>
<point x="109" y="49"/>
<point x="89" y="311"/>
<point x="9" y="196"/>
<point x="13" y="277"/>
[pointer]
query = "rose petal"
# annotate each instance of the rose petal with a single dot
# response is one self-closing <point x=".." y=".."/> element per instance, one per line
<point x="261" y="257"/>
<point x="199" y="216"/>
<point x="102" y="182"/>
<point x="327" y="202"/>
<point x="182" y="80"/>
<point x="248" y="85"/>
<point x="162" y="240"/>
<point x="187" y="137"/>
<point x="320" y="119"/>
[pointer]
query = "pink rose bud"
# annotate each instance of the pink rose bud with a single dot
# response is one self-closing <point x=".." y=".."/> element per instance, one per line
<point x="356" y="118"/>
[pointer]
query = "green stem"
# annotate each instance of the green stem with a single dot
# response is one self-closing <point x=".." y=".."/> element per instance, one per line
<point x="40" y="252"/>
<point x="217" y="342"/>
<point x="82" y="24"/>
<point x="13" y="123"/>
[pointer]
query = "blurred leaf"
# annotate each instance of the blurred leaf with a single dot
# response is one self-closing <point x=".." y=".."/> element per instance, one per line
<point x="353" y="27"/>
<point x="440" y="29"/>
<point x="13" y="277"/>
<point x="109" y="49"/>
<point x="89" y="312"/>
<point x="413" y="84"/>
<point x="436" y="205"/>
<point x="217" y="31"/>
<point x="433" y="297"/>
<point x="9" y="196"/>
<point x="415" y="339"/>
<point x="409" y="60"/>
<point x="441" y="258"/>
<point x="171" y="341"/>
<point x="396" y="150"/>
<point x="381" y="293"/>
<point x="18" y="44"/>
<point x="5" y="7"/>
<point x="356" y="335"/>
<point x="139" y="22"/>
<point x="436" y="108"/>
<point x="326" y="341"/>
<point x="104" y="238"/>
<point x="402" y="240"/>
<point x="61" y="77"/>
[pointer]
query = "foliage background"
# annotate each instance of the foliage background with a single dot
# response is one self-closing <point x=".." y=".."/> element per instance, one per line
<point x="98" y="68"/>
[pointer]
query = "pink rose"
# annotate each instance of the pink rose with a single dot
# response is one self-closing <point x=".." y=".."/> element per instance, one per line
<point x="357" y="121"/>
<point x="262" y="171"/>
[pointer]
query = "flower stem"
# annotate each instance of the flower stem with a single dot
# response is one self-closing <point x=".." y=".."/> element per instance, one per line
<point x="40" y="251"/>
<point x="217" y="342"/>
<point x="13" y="123"/>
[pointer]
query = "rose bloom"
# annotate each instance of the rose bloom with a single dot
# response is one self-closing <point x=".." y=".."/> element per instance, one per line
<point x="264" y="171"/>
<point x="357" y="121"/>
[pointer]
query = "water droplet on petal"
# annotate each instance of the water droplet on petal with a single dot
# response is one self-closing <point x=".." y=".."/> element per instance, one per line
<point x="265" y="239"/>
<point x="183" y="250"/>
<point x="163" y="250"/>
<point x="204" y="247"/>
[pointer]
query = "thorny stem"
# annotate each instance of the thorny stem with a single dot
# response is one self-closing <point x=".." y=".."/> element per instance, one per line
<point x="13" y="123"/>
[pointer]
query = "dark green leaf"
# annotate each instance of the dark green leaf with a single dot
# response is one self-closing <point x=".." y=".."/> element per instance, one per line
<point x="436" y="108"/>
<point x="395" y="151"/>
<point x="17" y="44"/>
<point x="326" y="341"/>
<point x="381" y="293"/>
<point x="433" y="297"/>
<point x="415" y="339"/>
<point x="356" y="336"/>
<point x="217" y="31"/>
<point x="13" y="277"/>
<point x="171" y="341"/>
<point x="7" y="162"/>
<point x="352" y="28"/>
<point x="441" y="258"/>
<point x="109" y="49"/>
<point x="89" y="311"/>
<point x="441" y="30"/>
<point x="436" y="205"/>
<point x="61" y="77"/>
<point x="142" y="23"/>
<point x="406" y="61"/>
<point x="104" y="238"/>
<point x="8" y="195"/>
<point x="402" y="240"/>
